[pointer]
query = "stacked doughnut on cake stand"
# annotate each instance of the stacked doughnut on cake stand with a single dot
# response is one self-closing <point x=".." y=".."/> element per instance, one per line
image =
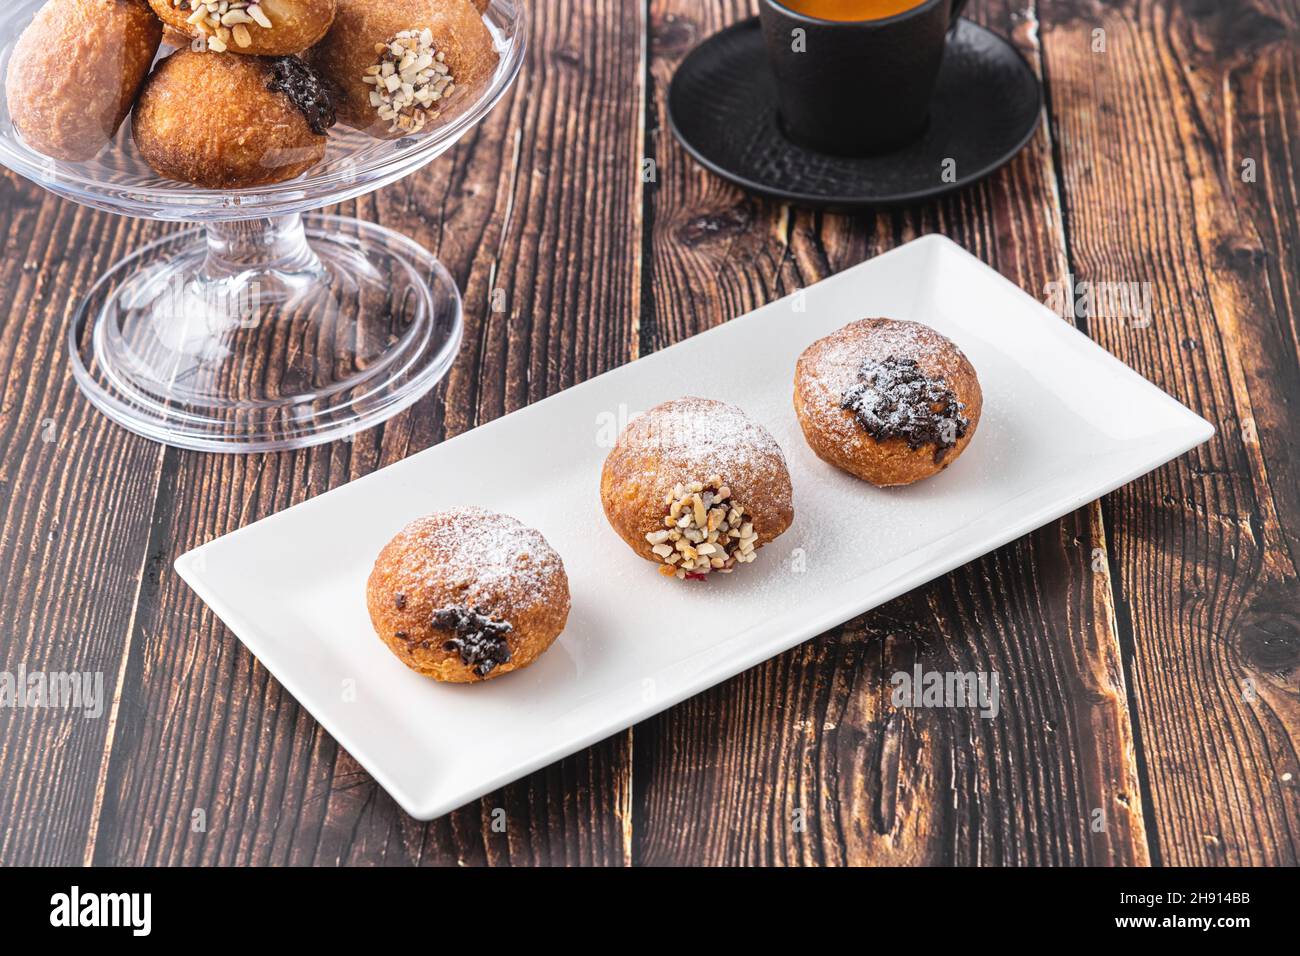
<point x="266" y="326"/>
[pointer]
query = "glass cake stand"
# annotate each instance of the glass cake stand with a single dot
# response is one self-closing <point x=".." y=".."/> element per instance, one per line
<point x="266" y="326"/>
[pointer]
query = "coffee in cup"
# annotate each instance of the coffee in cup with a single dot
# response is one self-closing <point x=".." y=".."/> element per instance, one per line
<point x="851" y="9"/>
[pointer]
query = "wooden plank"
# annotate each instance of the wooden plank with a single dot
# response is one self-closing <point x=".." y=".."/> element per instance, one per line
<point x="76" y="498"/>
<point x="1154" y="130"/>
<point x="541" y="202"/>
<point x="803" y="759"/>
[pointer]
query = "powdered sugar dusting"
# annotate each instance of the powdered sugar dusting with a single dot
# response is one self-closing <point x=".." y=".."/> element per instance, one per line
<point x="699" y="437"/>
<point x="489" y="553"/>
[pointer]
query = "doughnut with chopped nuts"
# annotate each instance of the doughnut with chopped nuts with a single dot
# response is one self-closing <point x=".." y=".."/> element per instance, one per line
<point x="468" y="595"/>
<point x="255" y="27"/>
<point x="697" y="487"/>
<point x="888" y="401"/>
<point x="403" y="68"/>
<point x="76" y="70"/>
<point x="263" y="119"/>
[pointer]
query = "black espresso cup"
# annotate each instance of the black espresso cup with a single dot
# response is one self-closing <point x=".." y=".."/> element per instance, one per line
<point x="856" y="87"/>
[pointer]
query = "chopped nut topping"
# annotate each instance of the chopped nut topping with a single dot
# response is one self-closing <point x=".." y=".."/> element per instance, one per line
<point x="220" y="22"/>
<point x="705" y="530"/>
<point x="410" y="76"/>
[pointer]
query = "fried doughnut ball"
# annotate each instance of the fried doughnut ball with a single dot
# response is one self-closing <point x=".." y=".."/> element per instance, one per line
<point x="888" y="401"/>
<point x="696" y="486"/>
<point x="397" y="67"/>
<point x="263" y="119"/>
<point x="256" y="27"/>
<point x="468" y="595"/>
<point x="76" y="70"/>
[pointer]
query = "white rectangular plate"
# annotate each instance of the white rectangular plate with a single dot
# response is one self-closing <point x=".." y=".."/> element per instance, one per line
<point x="1064" y="422"/>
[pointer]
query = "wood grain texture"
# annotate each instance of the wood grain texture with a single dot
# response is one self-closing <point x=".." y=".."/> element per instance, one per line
<point x="1154" y="131"/>
<point x="804" y="759"/>
<point x="1156" y="694"/>
<point x="213" y="761"/>
<point x="74" y="493"/>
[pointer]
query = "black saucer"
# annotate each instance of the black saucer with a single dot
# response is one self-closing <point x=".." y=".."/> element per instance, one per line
<point x="722" y="108"/>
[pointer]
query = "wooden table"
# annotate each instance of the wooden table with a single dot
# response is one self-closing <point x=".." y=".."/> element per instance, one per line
<point x="1148" y="645"/>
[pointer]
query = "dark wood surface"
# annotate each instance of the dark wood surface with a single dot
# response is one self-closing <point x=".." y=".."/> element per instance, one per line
<point x="1149" y="644"/>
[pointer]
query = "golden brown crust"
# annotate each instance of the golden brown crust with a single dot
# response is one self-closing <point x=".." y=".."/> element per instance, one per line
<point x="829" y="366"/>
<point x="349" y="50"/>
<point x="176" y="39"/>
<point x="296" y="25"/>
<point x="473" y="559"/>
<point x="688" y="440"/>
<point x="76" y="70"/>
<point x="246" y="135"/>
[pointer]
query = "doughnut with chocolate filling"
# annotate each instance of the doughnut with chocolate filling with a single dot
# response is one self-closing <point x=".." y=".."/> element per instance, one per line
<point x="400" y="67"/>
<point x="256" y="27"/>
<point x="467" y="595"/>
<point x="75" y="71"/>
<point x="263" y="119"/>
<point x="888" y="401"/>
<point x="697" y="487"/>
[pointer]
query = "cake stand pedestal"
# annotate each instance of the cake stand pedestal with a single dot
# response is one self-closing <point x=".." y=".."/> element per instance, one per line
<point x="265" y="325"/>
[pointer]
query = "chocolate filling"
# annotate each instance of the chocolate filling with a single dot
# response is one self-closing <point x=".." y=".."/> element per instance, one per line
<point x="296" y="80"/>
<point x="480" y="641"/>
<point x="895" y="399"/>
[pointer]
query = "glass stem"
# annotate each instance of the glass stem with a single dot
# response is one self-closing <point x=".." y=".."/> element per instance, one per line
<point x="259" y="245"/>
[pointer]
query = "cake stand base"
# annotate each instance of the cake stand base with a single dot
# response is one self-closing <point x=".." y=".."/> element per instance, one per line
<point x="266" y="334"/>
